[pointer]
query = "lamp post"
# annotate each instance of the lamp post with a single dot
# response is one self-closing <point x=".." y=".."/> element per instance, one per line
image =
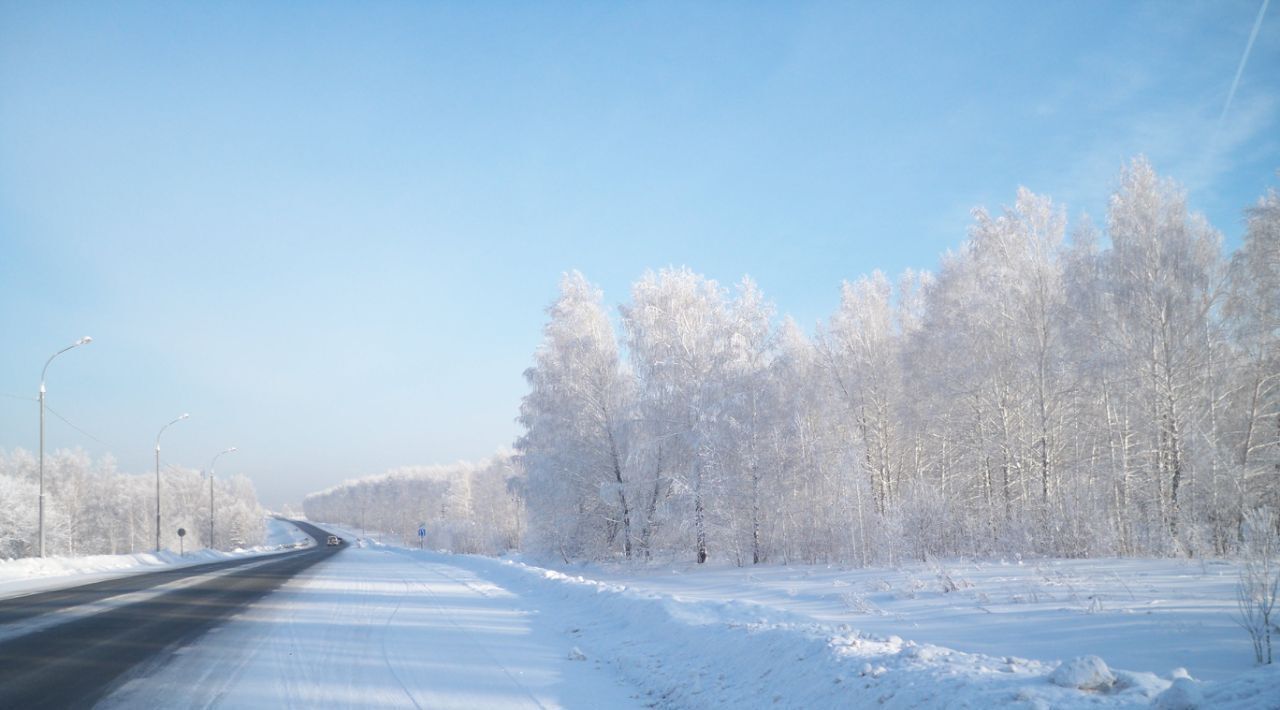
<point x="166" y="426"/>
<point x="83" y="341"/>
<point x="211" y="465"/>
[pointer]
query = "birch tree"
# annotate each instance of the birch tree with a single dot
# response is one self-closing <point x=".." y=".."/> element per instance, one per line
<point x="674" y="324"/>
<point x="575" y="446"/>
<point x="1253" y="317"/>
<point x="1163" y="275"/>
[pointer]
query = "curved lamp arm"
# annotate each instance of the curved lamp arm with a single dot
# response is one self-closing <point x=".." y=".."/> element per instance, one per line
<point x="83" y="341"/>
<point x="166" y="426"/>
<point x="219" y="455"/>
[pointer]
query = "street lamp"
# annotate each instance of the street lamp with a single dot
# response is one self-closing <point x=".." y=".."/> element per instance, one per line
<point x="211" y="464"/>
<point x="83" y="341"/>
<point x="166" y="426"/>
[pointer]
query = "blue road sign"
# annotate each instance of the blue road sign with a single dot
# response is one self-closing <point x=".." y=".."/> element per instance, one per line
<point x="422" y="532"/>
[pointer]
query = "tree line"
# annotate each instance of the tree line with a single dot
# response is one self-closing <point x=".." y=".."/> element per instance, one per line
<point x="463" y="507"/>
<point x="1053" y="389"/>
<point x="94" y="509"/>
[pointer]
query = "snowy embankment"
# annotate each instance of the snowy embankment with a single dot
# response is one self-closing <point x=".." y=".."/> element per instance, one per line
<point x="691" y="640"/>
<point x="33" y="574"/>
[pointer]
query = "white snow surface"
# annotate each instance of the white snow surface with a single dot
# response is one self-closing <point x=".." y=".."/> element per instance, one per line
<point x="381" y="626"/>
<point x="1085" y="673"/>
<point x="29" y="575"/>
<point x="1151" y="615"/>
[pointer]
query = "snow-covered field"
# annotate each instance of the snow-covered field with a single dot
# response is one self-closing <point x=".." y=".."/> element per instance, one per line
<point x="30" y="575"/>
<point x="1142" y="615"/>
<point x="381" y="626"/>
<point x="825" y="637"/>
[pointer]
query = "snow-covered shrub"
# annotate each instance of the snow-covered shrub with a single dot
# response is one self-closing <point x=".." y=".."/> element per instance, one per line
<point x="1259" y="581"/>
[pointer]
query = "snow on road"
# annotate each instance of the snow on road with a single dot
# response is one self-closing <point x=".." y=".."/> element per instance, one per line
<point x="282" y="533"/>
<point x="382" y="627"/>
<point x="29" y="575"/>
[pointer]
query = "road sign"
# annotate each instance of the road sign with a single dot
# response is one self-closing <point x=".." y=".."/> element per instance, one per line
<point x="422" y="532"/>
<point x="182" y="532"/>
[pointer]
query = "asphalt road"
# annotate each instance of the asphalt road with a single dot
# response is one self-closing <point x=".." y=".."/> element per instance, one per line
<point x="74" y="664"/>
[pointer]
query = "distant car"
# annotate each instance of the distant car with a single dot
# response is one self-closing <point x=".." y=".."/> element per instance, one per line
<point x="333" y="541"/>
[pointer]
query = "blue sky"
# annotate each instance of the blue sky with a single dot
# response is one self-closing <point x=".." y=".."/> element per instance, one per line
<point x="329" y="230"/>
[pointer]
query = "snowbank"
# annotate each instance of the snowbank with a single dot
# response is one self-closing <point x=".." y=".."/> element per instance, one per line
<point x="1151" y="615"/>
<point x="703" y="653"/>
<point x="686" y="653"/>
<point x="33" y="574"/>
<point x="1084" y="673"/>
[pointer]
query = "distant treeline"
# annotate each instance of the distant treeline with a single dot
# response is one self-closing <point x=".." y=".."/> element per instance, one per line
<point x="91" y="508"/>
<point x="464" y="507"/>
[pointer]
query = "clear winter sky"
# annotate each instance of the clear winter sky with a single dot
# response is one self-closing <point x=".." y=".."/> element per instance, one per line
<point x="329" y="230"/>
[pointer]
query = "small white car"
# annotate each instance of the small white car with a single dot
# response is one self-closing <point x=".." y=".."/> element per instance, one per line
<point x="333" y="541"/>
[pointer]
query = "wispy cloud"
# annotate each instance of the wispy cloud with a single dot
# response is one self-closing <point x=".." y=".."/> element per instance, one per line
<point x="1244" y="59"/>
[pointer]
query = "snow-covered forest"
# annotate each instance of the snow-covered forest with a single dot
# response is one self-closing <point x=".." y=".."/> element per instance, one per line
<point x="1054" y="389"/>
<point x="465" y="507"/>
<point x="91" y="508"/>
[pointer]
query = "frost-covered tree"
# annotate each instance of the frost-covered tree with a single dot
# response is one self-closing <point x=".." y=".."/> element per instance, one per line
<point x="748" y="463"/>
<point x="18" y="524"/>
<point x="985" y="359"/>
<point x="1253" y="318"/>
<point x="1114" y="392"/>
<point x="820" y="500"/>
<point x="862" y="348"/>
<point x="577" y="416"/>
<point x="678" y="329"/>
<point x="1162" y="277"/>
<point x="92" y="508"/>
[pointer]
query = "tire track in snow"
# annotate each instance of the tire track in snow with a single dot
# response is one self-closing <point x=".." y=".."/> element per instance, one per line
<point x="299" y="675"/>
<point x="386" y="655"/>
<point x="437" y="602"/>
<point x="229" y="680"/>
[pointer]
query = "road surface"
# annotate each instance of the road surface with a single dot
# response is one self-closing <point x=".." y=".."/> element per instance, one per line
<point x="115" y="625"/>
<point x="383" y="627"/>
